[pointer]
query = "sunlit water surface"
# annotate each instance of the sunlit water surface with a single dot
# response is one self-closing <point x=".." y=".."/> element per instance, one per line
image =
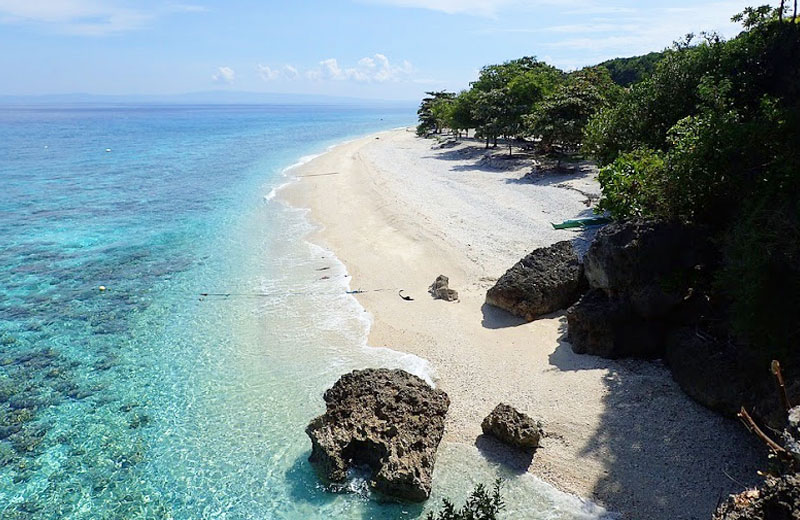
<point x="148" y="399"/>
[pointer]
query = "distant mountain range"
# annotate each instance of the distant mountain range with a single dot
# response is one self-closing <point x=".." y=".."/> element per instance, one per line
<point x="214" y="97"/>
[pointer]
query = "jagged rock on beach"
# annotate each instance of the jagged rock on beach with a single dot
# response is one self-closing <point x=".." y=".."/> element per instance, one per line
<point x="777" y="499"/>
<point x="546" y="280"/>
<point x="607" y="327"/>
<point x="387" y="420"/>
<point x="647" y="262"/>
<point x="512" y="427"/>
<point x="642" y="275"/>
<point x="440" y="289"/>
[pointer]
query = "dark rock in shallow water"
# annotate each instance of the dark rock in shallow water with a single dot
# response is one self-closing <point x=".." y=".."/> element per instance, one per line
<point x="388" y="420"/>
<point x="511" y="427"/>
<point x="777" y="499"/>
<point x="607" y="327"/>
<point x="440" y="289"/>
<point x="546" y="280"/>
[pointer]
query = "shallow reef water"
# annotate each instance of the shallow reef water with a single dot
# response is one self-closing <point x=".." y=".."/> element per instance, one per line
<point x="182" y="390"/>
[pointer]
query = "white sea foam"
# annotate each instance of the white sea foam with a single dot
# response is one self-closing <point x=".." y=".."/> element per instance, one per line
<point x="383" y="357"/>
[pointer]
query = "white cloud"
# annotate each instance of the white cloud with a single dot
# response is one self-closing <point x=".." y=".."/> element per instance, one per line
<point x="224" y="75"/>
<point x="290" y="72"/>
<point x="85" y="17"/>
<point x="376" y="68"/>
<point x="330" y="69"/>
<point x="650" y="29"/>
<point x="267" y="73"/>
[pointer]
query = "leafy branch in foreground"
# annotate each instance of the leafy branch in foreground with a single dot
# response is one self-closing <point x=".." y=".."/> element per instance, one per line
<point x="482" y="504"/>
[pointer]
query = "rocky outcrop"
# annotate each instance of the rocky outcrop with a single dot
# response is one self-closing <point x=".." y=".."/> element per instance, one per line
<point x="641" y="276"/>
<point x="690" y="357"/>
<point x="511" y="427"/>
<point x="649" y="263"/>
<point x="386" y="420"/>
<point x="777" y="499"/>
<point x="604" y="326"/>
<point x="440" y="289"/>
<point x="725" y="376"/>
<point x="546" y="280"/>
<point x="791" y="436"/>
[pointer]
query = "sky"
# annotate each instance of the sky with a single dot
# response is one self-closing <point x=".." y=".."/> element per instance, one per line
<point x="374" y="49"/>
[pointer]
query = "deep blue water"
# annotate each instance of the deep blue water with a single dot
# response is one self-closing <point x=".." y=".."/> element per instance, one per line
<point x="147" y="399"/>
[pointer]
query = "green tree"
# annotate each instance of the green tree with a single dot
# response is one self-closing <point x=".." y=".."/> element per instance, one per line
<point x="627" y="71"/>
<point x="461" y="115"/>
<point x="482" y="504"/>
<point x="506" y="92"/>
<point x="427" y="117"/>
<point x="561" y="117"/>
<point x="494" y="114"/>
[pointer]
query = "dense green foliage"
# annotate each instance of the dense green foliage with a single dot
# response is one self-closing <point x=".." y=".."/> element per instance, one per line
<point x="560" y="118"/>
<point x="482" y="504"/>
<point x="627" y="71"/>
<point x="505" y="93"/>
<point x="496" y="102"/>
<point x="712" y="137"/>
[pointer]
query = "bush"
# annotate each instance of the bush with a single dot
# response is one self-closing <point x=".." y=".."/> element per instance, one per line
<point x="762" y="278"/>
<point x="482" y="504"/>
<point x="631" y="185"/>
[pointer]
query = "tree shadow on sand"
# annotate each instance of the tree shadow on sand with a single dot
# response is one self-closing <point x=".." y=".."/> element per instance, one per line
<point x="665" y="455"/>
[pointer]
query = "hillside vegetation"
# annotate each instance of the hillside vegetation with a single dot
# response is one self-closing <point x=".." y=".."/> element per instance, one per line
<point x="706" y="133"/>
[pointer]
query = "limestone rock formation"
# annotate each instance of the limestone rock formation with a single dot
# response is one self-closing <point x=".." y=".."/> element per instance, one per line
<point x="512" y="427"/>
<point x="777" y="499"/>
<point x="546" y="280"/>
<point x="608" y="327"/>
<point x="440" y="289"/>
<point x="647" y="262"/>
<point x="387" y="420"/>
<point x="642" y="276"/>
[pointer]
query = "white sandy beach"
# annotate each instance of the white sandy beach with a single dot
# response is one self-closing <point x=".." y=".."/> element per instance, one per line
<point x="398" y="213"/>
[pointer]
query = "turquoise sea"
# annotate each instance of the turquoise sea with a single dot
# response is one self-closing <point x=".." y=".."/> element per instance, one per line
<point x="149" y="399"/>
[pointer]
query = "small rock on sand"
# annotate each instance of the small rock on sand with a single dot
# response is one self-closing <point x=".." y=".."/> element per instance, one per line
<point x="440" y="289"/>
<point x="512" y="427"/>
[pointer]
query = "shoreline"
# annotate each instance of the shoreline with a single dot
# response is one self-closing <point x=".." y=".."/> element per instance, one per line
<point x="397" y="213"/>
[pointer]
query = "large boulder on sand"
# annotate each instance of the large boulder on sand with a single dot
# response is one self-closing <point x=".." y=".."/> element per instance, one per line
<point x="386" y="420"/>
<point x="511" y="427"/>
<point x="608" y="327"/>
<point x="546" y="280"/>
<point x="649" y="263"/>
<point x="642" y="276"/>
